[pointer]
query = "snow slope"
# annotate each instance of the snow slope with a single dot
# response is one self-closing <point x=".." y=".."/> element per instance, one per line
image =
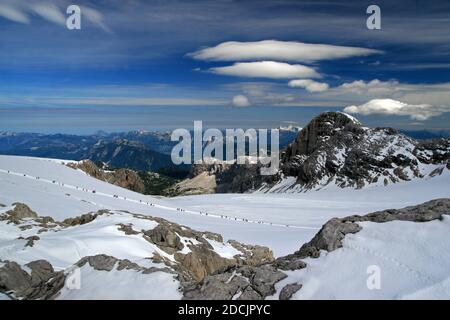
<point x="413" y="260"/>
<point x="282" y="222"/>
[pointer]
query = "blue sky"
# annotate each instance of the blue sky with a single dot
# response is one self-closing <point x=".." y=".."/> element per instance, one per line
<point x="230" y="63"/>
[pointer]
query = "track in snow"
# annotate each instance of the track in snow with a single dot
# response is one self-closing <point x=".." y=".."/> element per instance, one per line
<point x="150" y="204"/>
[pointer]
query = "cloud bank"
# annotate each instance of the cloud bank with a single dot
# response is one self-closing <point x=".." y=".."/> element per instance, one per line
<point x="267" y="69"/>
<point x="55" y="12"/>
<point x="240" y="101"/>
<point x="309" y="85"/>
<point x="279" y="50"/>
<point x="418" y="112"/>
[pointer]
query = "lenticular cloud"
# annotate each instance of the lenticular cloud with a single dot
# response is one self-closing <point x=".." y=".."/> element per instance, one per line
<point x="419" y="112"/>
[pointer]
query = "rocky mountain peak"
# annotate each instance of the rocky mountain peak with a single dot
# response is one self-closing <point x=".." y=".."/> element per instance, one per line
<point x="335" y="147"/>
<point x="319" y="130"/>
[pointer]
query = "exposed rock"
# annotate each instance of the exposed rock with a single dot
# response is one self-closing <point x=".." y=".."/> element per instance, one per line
<point x="80" y="220"/>
<point x="165" y="237"/>
<point x="127" y="265"/>
<point x="124" y="178"/>
<point x="245" y="283"/>
<point x="21" y="211"/>
<point x="263" y="278"/>
<point x="31" y="240"/>
<point x="202" y="261"/>
<point x="289" y="264"/>
<point x="249" y="294"/>
<point x="41" y="271"/>
<point x="329" y="238"/>
<point x="424" y="212"/>
<point x="288" y="291"/>
<point x="2" y="205"/>
<point x="127" y="229"/>
<point x="99" y="262"/>
<point x="47" y="290"/>
<point x="254" y="255"/>
<point x="13" y="278"/>
<point x="222" y="286"/>
<point x="203" y="183"/>
<point x="222" y="177"/>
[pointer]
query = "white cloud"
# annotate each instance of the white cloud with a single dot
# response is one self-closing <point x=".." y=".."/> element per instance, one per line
<point x="267" y="69"/>
<point x="49" y="12"/>
<point x="309" y="85"/>
<point x="13" y="14"/>
<point x="278" y="50"/>
<point x="373" y="87"/>
<point x="126" y="101"/>
<point x="240" y="101"/>
<point x="20" y="10"/>
<point x="95" y="17"/>
<point x="418" y="112"/>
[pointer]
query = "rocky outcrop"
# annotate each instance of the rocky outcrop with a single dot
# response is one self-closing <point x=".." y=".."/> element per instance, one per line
<point x="242" y="283"/>
<point x="288" y="291"/>
<point x="188" y="253"/>
<point x="253" y="254"/>
<point x="80" y="220"/>
<point x="332" y="234"/>
<point x="42" y="283"/>
<point x="20" y="212"/>
<point x="195" y="256"/>
<point x="124" y="178"/>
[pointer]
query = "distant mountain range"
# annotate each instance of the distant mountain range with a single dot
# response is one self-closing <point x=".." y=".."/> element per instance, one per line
<point x="141" y="151"/>
<point x="137" y="150"/>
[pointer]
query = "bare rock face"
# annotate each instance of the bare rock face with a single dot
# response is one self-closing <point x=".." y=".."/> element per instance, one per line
<point x="202" y="262"/>
<point x="21" y="211"/>
<point x="165" y="237"/>
<point x="31" y="240"/>
<point x="43" y="283"/>
<point x="124" y="178"/>
<point x="14" y="279"/>
<point x="41" y="271"/>
<point x="127" y="179"/>
<point x="99" y="262"/>
<point x="428" y="211"/>
<point x="253" y="254"/>
<point x="329" y="237"/>
<point x="200" y="259"/>
<point x="222" y="177"/>
<point x="288" y="291"/>
<point x="80" y="220"/>
<point x="242" y="283"/>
